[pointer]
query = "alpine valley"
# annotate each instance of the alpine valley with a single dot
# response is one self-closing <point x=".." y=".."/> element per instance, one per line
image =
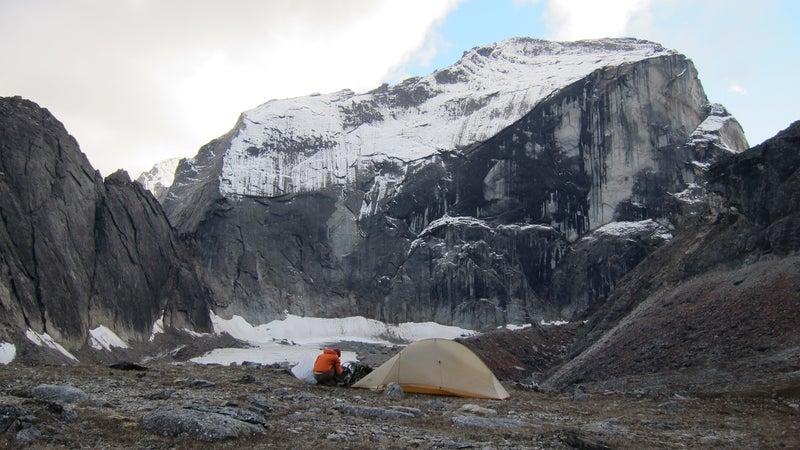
<point x="591" y="182"/>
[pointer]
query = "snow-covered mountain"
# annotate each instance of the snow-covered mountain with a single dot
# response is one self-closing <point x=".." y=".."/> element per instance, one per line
<point x="160" y="177"/>
<point x="309" y="143"/>
<point x="324" y="205"/>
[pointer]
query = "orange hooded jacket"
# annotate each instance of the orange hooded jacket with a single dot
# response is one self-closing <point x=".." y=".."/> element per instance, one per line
<point x="328" y="360"/>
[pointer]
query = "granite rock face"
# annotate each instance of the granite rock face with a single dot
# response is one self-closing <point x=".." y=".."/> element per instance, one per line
<point x="454" y="197"/>
<point x="78" y="252"/>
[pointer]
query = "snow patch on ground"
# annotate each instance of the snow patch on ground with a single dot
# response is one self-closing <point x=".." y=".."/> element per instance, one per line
<point x="193" y="333"/>
<point x="512" y="327"/>
<point x="7" y="352"/>
<point x="313" y="330"/>
<point x="102" y="338"/>
<point x="158" y="328"/>
<point x="44" y="340"/>
<point x="298" y="340"/>
<point x="554" y="323"/>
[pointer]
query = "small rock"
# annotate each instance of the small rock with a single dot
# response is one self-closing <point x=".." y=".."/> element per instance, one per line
<point x="261" y="402"/>
<point x="237" y="413"/>
<point x="28" y="434"/>
<point x="338" y="436"/>
<point x="165" y="394"/>
<point x="127" y="365"/>
<point x="101" y="403"/>
<point x="656" y="425"/>
<point x="246" y="379"/>
<point x="475" y="409"/>
<point x="531" y="386"/>
<point x="394" y="391"/>
<point x="68" y="394"/>
<point x="10" y="418"/>
<point x="407" y="409"/>
<point x="435" y="405"/>
<point x="706" y="440"/>
<point x="198" y="383"/>
<point x="372" y="413"/>
<point x="578" y="440"/>
<point x="69" y="415"/>
<point x="671" y="406"/>
<point x="580" y="395"/>
<point x="282" y="392"/>
<point x="53" y="407"/>
<point x="486" y="422"/>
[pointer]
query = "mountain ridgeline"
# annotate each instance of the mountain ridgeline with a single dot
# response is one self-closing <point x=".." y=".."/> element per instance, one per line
<point x="476" y="196"/>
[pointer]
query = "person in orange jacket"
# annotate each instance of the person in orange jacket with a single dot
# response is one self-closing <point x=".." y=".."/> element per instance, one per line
<point x="328" y="366"/>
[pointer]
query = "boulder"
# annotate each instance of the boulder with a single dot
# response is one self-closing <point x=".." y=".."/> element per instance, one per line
<point x="59" y="393"/>
<point x="207" y="426"/>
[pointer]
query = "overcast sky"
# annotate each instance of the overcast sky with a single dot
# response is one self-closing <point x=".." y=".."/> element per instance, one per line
<point x="139" y="81"/>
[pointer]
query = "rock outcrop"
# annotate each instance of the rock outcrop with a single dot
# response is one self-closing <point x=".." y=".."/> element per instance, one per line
<point x="78" y="253"/>
<point x="454" y="197"/>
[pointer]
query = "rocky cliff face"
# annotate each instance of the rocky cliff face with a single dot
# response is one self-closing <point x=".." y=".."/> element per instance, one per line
<point x="78" y="253"/>
<point x="476" y="196"/>
<point x="719" y="304"/>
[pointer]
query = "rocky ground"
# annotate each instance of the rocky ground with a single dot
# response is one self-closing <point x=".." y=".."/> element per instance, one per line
<point x="182" y="405"/>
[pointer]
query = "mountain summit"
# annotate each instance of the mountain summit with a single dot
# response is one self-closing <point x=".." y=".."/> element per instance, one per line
<point x="453" y="197"/>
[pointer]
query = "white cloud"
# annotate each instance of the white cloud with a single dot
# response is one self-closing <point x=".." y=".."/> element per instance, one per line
<point x="586" y="19"/>
<point x="139" y="81"/>
<point x="737" y="88"/>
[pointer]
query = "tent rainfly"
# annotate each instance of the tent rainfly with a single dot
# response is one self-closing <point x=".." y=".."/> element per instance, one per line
<point x="437" y="366"/>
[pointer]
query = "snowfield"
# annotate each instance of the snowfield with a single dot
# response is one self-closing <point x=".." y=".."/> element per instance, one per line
<point x="102" y="338"/>
<point x="295" y="340"/>
<point x="298" y="340"/>
<point x="45" y="340"/>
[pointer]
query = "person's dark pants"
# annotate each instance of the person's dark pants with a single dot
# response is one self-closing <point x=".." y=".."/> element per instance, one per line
<point x="328" y="377"/>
